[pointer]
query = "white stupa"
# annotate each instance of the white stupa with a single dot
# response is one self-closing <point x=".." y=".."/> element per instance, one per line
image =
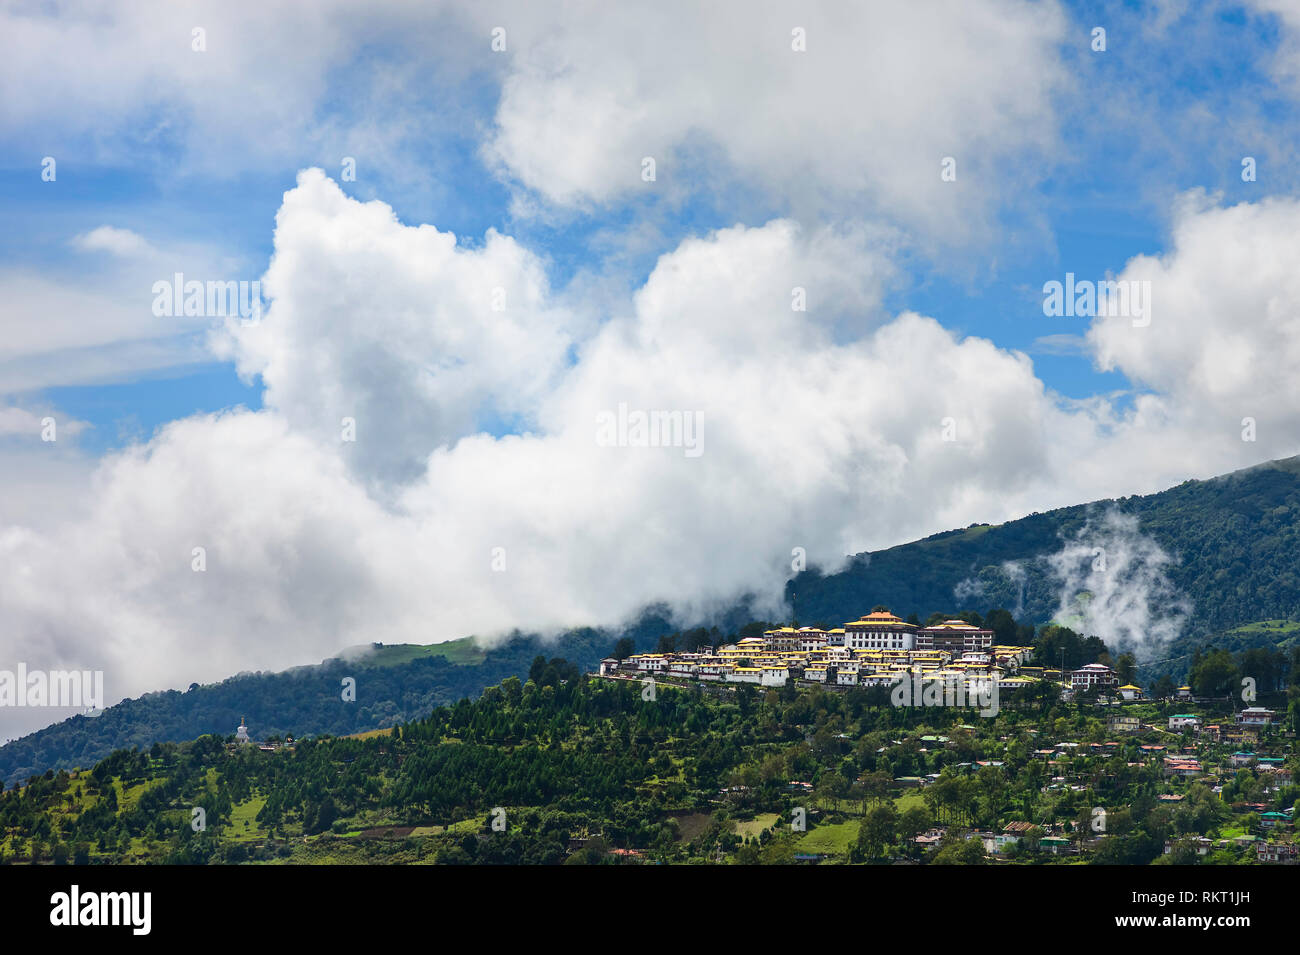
<point x="241" y="734"/>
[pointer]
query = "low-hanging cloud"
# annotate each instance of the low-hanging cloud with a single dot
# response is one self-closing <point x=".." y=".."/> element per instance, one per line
<point x="1113" y="584"/>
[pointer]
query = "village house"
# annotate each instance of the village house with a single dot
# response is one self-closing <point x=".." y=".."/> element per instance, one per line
<point x="994" y="842"/>
<point x="1270" y="820"/>
<point x="1055" y="845"/>
<point x="1093" y="675"/>
<point x="1180" y="767"/>
<point x="1286" y="853"/>
<point x="1124" y="724"/>
<point x="1256" y="716"/>
<point x="1242" y="734"/>
<point x="1201" y="844"/>
<point x="931" y="837"/>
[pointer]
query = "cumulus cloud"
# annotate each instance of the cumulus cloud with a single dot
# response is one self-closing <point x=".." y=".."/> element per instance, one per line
<point x="837" y="428"/>
<point x="418" y="338"/>
<point x="1224" y="335"/>
<point x="807" y="441"/>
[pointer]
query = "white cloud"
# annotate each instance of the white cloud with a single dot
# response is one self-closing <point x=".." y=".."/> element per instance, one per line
<point x="107" y="238"/>
<point x="1113" y="585"/>
<point x="91" y="319"/>
<point x="864" y="117"/>
<point x="419" y="339"/>
<point x="1285" y="64"/>
<point x="1224" y="336"/>
<point x="714" y="92"/>
<point x="806" y="443"/>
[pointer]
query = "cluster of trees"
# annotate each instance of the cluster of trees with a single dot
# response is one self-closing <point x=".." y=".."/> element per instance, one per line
<point x="1219" y="673"/>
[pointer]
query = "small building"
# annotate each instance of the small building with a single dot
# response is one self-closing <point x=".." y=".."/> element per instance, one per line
<point x="1201" y="844"/>
<point x="1094" y="675"/>
<point x="1183" y="721"/>
<point x="1130" y="693"/>
<point x="930" y="838"/>
<point x="1054" y="844"/>
<point x="1182" y="767"/>
<point x="1286" y="853"/>
<point x="1257" y="716"/>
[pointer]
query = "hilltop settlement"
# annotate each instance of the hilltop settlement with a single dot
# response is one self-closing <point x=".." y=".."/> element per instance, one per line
<point x="878" y="650"/>
<point x="773" y="744"/>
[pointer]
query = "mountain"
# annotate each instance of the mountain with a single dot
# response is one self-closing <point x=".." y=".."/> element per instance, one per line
<point x="1216" y="560"/>
<point x="394" y="684"/>
<point x="1232" y="544"/>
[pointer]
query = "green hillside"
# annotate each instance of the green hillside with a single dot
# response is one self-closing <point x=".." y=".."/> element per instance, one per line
<point x="1234" y="540"/>
<point x="563" y="769"/>
<point x="394" y="684"/>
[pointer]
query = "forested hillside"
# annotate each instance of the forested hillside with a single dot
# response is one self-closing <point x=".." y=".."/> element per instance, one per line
<point x="394" y="685"/>
<point x="1234" y="540"/>
<point x="566" y="769"/>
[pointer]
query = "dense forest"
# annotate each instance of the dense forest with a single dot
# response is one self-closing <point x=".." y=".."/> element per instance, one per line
<point x="562" y="768"/>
